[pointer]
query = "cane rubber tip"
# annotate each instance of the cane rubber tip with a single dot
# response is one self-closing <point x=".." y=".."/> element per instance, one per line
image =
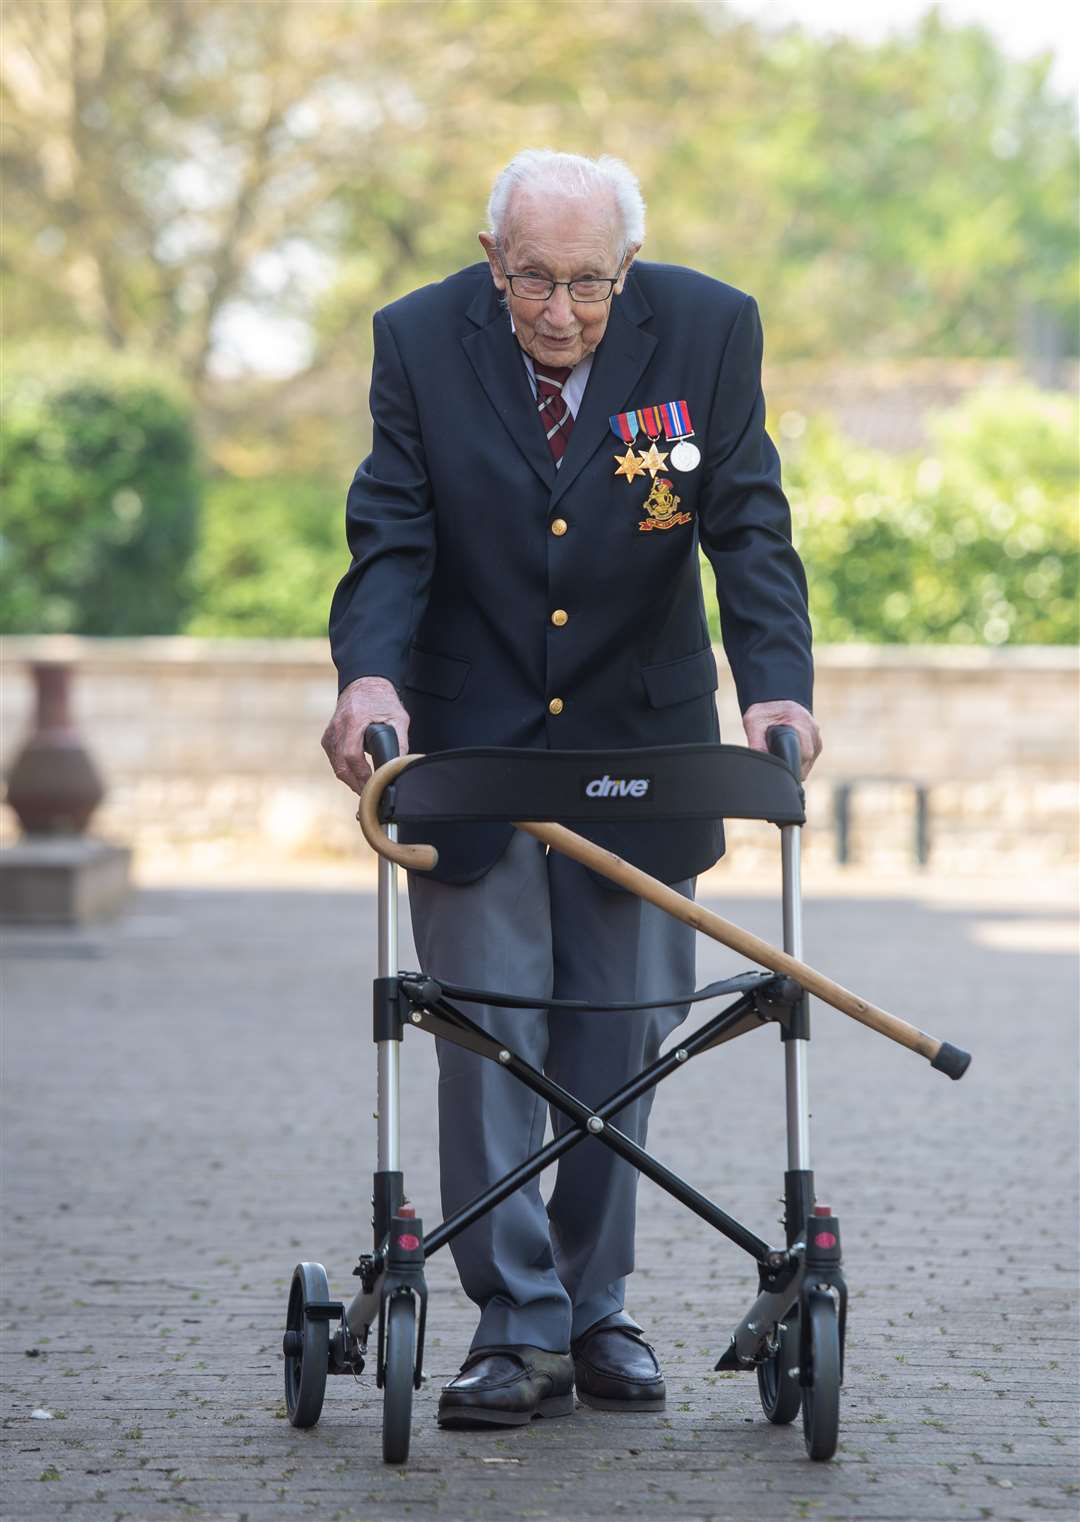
<point x="951" y="1060"/>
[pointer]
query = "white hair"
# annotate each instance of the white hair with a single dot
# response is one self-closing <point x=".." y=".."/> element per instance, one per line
<point x="573" y="175"/>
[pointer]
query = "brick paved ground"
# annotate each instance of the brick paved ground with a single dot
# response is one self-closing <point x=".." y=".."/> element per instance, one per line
<point x="187" y="1105"/>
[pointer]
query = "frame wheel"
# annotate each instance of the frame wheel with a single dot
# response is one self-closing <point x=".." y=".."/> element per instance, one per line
<point x="306" y="1346"/>
<point x="398" y="1378"/>
<point x="778" y="1377"/>
<point x="821" y="1394"/>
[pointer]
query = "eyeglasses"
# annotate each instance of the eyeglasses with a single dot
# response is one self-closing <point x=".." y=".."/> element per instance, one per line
<point x="540" y="288"/>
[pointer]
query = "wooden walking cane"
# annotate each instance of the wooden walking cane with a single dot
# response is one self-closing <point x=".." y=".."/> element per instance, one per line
<point x="948" y="1059"/>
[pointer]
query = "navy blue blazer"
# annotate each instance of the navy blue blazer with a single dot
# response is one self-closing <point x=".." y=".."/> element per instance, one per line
<point x="465" y="539"/>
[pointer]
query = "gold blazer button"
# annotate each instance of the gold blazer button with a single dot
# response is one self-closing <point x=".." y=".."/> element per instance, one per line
<point x="559" y="527"/>
<point x="555" y="706"/>
<point x="560" y="617"/>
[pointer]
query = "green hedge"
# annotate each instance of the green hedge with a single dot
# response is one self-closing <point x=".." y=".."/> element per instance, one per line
<point x="972" y="540"/>
<point x="272" y="551"/>
<point x="100" y="491"/>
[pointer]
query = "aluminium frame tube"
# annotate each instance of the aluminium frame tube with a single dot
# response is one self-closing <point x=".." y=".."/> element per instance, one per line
<point x="795" y="1050"/>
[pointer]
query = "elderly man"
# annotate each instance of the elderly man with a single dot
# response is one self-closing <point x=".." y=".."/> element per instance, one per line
<point x="556" y="431"/>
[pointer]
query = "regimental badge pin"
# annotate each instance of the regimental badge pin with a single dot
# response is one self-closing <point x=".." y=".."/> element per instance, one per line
<point x="662" y="505"/>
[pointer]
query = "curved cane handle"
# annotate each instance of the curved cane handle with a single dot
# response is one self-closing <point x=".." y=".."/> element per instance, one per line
<point x="415" y="858"/>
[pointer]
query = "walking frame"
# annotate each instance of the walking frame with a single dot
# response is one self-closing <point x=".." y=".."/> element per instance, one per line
<point x="793" y="1333"/>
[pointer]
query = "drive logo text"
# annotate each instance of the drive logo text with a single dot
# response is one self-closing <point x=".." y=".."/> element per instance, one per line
<point x="617" y="787"/>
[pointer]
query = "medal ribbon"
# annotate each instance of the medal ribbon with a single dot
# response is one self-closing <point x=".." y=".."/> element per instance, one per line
<point x="649" y="418"/>
<point x="676" y="417"/>
<point x="624" y="426"/>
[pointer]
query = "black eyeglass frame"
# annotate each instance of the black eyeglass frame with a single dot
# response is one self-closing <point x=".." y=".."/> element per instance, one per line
<point x="610" y="281"/>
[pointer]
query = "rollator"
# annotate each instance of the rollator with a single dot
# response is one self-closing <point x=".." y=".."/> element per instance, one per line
<point x="792" y="1336"/>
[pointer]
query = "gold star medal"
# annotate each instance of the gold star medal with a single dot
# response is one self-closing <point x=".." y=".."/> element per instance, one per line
<point x="654" y="461"/>
<point x="630" y="465"/>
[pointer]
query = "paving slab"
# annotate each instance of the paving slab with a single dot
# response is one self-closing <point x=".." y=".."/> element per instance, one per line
<point x="187" y="1113"/>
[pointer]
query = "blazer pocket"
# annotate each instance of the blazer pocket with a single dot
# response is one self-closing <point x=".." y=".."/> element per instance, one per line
<point x="691" y="676"/>
<point x="442" y="676"/>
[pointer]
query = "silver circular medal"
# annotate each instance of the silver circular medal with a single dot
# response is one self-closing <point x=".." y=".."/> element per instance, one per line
<point x="685" y="456"/>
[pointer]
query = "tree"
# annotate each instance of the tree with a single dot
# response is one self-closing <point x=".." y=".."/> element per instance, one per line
<point x="157" y="152"/>
<point x="172" y="163"/>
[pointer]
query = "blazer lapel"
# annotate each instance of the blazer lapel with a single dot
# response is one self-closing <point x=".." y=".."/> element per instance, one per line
<point x="495" y="355"/>
<point x="619" y="363"/>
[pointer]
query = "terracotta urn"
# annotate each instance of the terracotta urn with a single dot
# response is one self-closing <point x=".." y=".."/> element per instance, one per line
<point x="53" y="785"/>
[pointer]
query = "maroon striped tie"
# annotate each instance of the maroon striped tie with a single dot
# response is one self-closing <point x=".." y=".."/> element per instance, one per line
<point x="555" y="415"/>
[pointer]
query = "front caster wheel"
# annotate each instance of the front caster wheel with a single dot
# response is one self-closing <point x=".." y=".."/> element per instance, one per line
<point x="821" y="1395"/>
<point x="778" y="1376"/>
<point x="306" y="1346"/>
<point x="398" y="1378"/>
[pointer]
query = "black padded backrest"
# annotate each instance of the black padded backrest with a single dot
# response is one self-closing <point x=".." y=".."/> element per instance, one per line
<point x="670" y="782"/>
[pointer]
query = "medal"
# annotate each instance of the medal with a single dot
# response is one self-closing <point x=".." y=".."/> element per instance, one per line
<point x="679" y="430"/>
<point x="630" y="465"/>
<point x="685" y="456"/>
<point x="670" y="419"/>
<point x="653" y="460"/>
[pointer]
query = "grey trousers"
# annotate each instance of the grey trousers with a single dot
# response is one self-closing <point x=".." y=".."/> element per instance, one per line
<point x="537" y="923"/>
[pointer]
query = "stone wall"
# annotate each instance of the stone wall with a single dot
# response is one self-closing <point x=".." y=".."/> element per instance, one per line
<point x="218" y="740"/>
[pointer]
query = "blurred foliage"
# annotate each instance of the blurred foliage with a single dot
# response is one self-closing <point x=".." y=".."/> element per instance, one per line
<point x="271" y="552"/>
<point x="171" y="164"/>
<point x="100" y="487"/>
<point x="976" y="541"/>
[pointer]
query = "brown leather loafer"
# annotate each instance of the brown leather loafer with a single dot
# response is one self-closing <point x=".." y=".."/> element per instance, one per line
<point x="615" y="1369"/>
<point x="507" y="1386"/>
